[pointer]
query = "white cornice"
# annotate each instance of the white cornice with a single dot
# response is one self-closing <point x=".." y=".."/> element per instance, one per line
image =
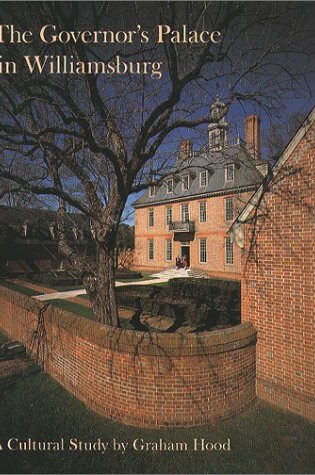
<point x="209" y="194"/>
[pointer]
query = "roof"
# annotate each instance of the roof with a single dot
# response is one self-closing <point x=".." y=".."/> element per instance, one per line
<point x="38" y="220"/>
<point x="267" y="182"/>
<point x="246" y="176"/>
<point x="16" y="216"/>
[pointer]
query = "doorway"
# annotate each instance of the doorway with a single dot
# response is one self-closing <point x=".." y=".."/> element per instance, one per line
<point x="185" y="251"/>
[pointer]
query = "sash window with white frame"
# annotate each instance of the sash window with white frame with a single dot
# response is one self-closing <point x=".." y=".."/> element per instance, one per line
<point x="184" y="213"/>
<point x="151" y="249"/>
<point x="203" y="212"/>
<point x="168" y="250"/>
<point x="203" y="250"/>
<point x="229" y="251"/>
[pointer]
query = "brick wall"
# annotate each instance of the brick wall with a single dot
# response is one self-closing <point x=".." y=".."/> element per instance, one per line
<point x="214" y="230"/>
<point x="278" y="283"/>
<point x="149" y="380"/>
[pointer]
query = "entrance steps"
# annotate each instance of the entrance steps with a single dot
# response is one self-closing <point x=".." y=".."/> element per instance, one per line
<point x="197" y="274"/>
<point x="180" y="273"/>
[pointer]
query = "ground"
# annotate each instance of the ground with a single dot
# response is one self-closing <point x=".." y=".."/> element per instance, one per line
<point x="263" y="439"/>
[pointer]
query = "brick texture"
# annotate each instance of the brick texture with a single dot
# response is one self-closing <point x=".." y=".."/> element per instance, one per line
<point x="142" y="379"/>
<point x="214" y="230"/>
<point x="278" y="283"/>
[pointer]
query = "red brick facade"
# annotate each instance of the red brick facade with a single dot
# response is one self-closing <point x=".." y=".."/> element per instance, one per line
<point x="214" y="230"/>
<point x="143" y="379"/>
<point x="278" y="282"/>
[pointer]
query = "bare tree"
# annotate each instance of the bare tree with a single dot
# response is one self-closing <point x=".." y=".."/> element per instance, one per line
<point x="93" y="139"/>
<point x="279" y="133"/>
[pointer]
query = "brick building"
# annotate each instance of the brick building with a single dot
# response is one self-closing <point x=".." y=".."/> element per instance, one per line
<point x="276" y="230"/>
<point x="28" y="238"/>
<point x="190" y="212"/>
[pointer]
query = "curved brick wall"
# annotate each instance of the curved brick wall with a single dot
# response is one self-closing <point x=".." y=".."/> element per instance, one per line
<point x="149" y="380"/>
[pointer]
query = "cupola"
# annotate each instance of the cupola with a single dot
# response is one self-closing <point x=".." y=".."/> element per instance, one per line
<point x="218" y="128"/>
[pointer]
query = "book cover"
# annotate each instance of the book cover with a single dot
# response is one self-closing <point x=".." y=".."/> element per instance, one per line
<point x="156" y="222"/>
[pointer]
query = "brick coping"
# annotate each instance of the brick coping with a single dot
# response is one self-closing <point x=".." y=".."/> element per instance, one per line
<point x="146" y="343"/>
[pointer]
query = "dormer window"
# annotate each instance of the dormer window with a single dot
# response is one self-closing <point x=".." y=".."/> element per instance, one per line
<point x="25" y="229"/>
<point x="170" y="185"/>
<point x="185" y="182"/>
<point x="229" y="172"/>
<point x="52" y="230"/>
<point x="152" y="190"/>
<point x="75" y="231"/>
<point x="93" y="229"/>
<point x="203" y="178"/>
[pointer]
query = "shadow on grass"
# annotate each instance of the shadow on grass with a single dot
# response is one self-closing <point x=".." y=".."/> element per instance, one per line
<point x="263" y="439"/>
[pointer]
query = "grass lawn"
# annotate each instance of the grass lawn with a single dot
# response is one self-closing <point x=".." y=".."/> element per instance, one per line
<point x="78" y="309"/>
<point x="263" y="439"/>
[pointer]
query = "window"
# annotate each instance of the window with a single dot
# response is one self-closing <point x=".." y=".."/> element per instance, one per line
<point x="168" y="253"/>
<point x="185" y="182"/>
<point x="203" y="178"/>
<point x="202" y="212"/>
<point x="170" y="185"/>
<point x="151" y="249"/>
<point x="222" y="137"/>
<point x="203" y="250"/>
<point x="151" y="217"/>
<point x="152" y="190"/>
<point x="229" y="255"/>
<point x="229" y="172"/>
<point x="184" y="213"/>
<point x="228" y="209"/>
<point x="169" y="214"/>
<point x="213" y="138"/>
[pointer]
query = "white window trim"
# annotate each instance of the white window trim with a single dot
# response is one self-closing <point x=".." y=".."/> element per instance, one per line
<point x="172" y="190"/>
<point x="152" y="190"/>
<point x="150" y="225"/>
<point x="225" y="253"/>
<point x="181" y="212"/>
<point x="206" y="212"/>
<point x="166" y="208"/>
<point x="200" y="261"/>
<point x="149" y="241"/>
<point x="183" y="183"/>
<point x="226" y="169"/>
<point x="213" y="138"/>
<point x="200" y="174"/>
<point x="166" y="241"/>
<point x="225" y="201"/>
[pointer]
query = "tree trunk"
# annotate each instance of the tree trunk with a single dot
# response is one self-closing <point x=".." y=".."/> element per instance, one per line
<point x="101" y="287"/>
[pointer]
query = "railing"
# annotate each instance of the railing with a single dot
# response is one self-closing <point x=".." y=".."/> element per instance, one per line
<point x="182" y="226"/>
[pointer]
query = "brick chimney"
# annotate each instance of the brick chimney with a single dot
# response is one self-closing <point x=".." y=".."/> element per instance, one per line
<point x="252" y="135"/>
<point x="185" y="149"/>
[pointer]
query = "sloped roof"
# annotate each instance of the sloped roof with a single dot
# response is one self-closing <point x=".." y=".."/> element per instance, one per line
<point x="16" y="216"/>
<point x="246" y="176"/>
<point x="38" y="220"/>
